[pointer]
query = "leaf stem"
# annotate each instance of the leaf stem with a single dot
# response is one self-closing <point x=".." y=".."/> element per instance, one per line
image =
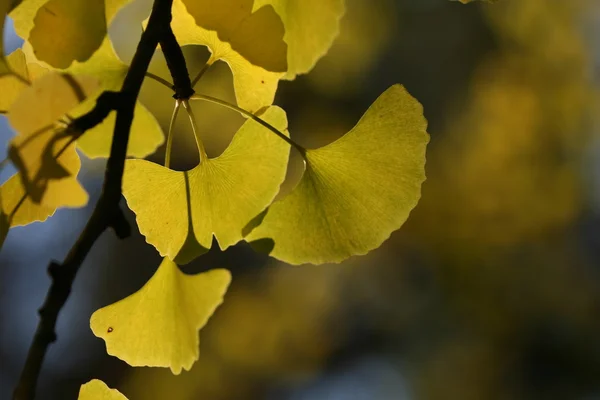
<point x="201" y="73"/>
<point x="190" y="112"/>
<point x="170" y="133"/>
<point x="248" y="114"/>
<point x="160" y="80"/>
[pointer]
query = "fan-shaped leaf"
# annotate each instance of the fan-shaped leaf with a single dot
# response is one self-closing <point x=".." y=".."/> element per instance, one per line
<point x="97" y="390"/>
<point x="46" y="157"/>
<point x="255" y="34"/>
<point x="65" y="30"/>
<point x="179" y="212"/>
<point x="158" y="325"/>
<point x="146" y="134"/>
<point x="355" y="191"/>
<point x="310" y="28"/>
<point x="254" y="86"/>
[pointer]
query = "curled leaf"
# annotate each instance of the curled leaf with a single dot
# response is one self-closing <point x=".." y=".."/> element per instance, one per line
<point x="356" y="191"/>
<point x="158" y="325"/>
<point x="97" y="390"/>
<point x="179" y="212"/>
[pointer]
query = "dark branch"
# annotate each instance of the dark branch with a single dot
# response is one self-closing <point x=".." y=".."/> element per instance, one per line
<point x="107" y="212"/>
<point x="177" y="66"/>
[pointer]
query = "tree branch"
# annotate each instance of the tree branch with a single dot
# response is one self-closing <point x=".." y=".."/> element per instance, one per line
<point x="107" y="212"/>
<point x="182" y="84"/>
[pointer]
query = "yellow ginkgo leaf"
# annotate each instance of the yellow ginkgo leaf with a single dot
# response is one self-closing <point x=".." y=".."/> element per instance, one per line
<point x="179" y="212"/>
<point x="11" y="86"/>
<point x="356" y="191"/>
<point x="62" y="31"/>
<point x="146" y="134"/>
<point x="310" y="28"/>
<point x="97" y="390"/>
<point x="18" y="207"/>
<point x="255" y="34"/>
<point x="158" y="325"/>
<point x="44" y="155"/>
<point x="254" y="86"/>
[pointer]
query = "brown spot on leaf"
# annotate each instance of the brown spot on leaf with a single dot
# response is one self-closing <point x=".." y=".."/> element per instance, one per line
<point x="109" y="330"/>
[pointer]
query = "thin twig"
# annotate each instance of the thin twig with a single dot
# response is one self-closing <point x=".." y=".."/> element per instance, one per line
<point x="106" y="213"/>
<point x="160" y="80"/>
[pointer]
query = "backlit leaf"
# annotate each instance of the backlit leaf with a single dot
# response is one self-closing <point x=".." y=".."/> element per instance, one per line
<point x="20" y="209"/>
<point x="179" y="212"/>
<point x="11" y="86"/>
<point x="310" y="28"/>
<point x="97" y="390"/>
<point x="255" y="34"/>
<point x="45" y="157"/>
<point x="65" y="30"/>
<point x="158" y="325"/>
<point x="146" y="134"/>
<point x="356" y="191"/>
<point x="254" y="86"/>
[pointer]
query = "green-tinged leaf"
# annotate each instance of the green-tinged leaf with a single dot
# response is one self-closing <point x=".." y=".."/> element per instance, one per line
<point x="179" y="212"/>
<point x="97" y="390"/>
<point x="146" y="134"/>
<point x="356" y="191"/>
<point x="65" y="30"/>
<point x="11" y="86"/>
<point x="310" y="29"/>
<point x="46" y="156"/>
<point x="158" y="325"/>
<point x="256" y="35"/>
<point x="254" y="86"/>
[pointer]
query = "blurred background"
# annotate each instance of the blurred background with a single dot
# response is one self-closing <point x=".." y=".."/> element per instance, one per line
<point x="491" y="290"/>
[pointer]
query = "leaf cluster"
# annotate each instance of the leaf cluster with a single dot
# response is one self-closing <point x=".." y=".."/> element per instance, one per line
<point x="352" y="195"/>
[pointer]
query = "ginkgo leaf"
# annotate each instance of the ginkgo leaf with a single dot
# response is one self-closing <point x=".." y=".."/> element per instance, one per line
<point x="97" y="390"/>
<point x="310" y="28"/>
<point x="146" y="134"/>
<point x="179" y="212"/>
<point x="11" y="86"/>
<point x="354" y="191"/>
<point x="158" y="325"/>
<point x="65" y="30"/>
<point x="45" y="156"/>
<point x="254" y="86"/>
<point x="19" y="208"/>
<point x="255" y="34"/>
